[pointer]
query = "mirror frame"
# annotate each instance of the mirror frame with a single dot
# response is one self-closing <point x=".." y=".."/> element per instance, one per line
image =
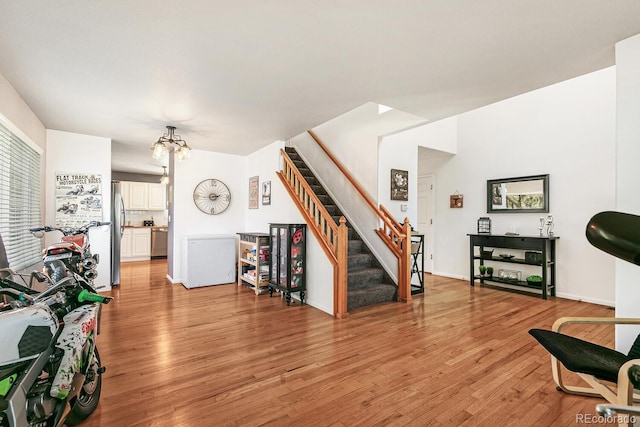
<point x="545" y="193"/>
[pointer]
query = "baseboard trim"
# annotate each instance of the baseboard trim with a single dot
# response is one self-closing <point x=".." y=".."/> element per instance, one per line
<point x="583" y="299"/>
<point x="558" y="294"/>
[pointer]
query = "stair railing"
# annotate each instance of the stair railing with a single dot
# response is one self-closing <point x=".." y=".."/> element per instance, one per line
<point x="333" y="238"/>
<point x="396" y="236"/>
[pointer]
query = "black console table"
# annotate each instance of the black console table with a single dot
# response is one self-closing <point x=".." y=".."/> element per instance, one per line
<point x="533" y="250"/>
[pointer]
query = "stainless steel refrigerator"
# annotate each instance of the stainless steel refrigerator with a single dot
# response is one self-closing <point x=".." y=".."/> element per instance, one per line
<point x="117" y="230"/>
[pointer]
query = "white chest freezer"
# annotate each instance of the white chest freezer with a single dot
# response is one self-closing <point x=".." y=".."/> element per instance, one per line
<point x="208" y="260"/>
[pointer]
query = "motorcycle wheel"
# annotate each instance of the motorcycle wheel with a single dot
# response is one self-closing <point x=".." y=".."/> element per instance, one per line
<point x="87" y="400"/>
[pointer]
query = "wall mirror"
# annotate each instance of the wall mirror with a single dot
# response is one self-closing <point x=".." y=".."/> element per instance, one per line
<point x="523" y="194"/>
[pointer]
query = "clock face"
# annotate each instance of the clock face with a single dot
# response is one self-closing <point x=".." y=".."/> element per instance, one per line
<point x="212" y="196"/>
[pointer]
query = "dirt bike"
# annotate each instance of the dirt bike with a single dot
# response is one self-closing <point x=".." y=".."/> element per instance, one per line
<point x="50" y="369"/>
<point x="73" y="251"/>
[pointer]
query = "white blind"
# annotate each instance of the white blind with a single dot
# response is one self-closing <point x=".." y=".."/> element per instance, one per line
<point x="19" y="200"/>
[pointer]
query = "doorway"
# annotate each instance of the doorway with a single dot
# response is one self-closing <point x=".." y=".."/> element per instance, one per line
<point x="426" y="189"/>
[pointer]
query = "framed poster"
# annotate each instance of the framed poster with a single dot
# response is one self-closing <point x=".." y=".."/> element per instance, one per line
<point x="253" y="192"/>
<point x="399" y="185"/>
<point x="78" y="199"/>
<point x="266" y="193"/>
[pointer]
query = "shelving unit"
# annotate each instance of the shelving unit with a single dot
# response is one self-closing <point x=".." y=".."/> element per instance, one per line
<point x="253" y="261"/>
<point x="417" y="262"/>
<point x="546" y="261"/>
<point x="287" y="273"/>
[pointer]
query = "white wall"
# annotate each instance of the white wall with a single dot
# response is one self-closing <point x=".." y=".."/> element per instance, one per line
<point x="71" y="152"/>
<point x="187" y="218"/>
<point x="354" y="138"/>
<point x="18" y="113"/>
<point x="628" y="179"/>
<point x="400" y="151"/>
<point x="566" y="130"/>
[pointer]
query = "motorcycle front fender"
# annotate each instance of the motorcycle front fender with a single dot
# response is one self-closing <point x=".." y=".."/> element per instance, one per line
<point x="80" y="325"/>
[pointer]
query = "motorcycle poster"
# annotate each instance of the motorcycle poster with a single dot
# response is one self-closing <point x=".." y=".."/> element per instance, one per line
<point x="78" y="198"/>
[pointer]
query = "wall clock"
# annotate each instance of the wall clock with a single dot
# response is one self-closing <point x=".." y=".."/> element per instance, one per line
<point x="212" y="196"/>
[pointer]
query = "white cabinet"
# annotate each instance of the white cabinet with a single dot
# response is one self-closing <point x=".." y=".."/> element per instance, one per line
<point x="135" y="244"/>
<point x="144" y="196"/>
<point x="125" y="244"/>
<point x="138" y="196"/>
<point x="157" y="199"/>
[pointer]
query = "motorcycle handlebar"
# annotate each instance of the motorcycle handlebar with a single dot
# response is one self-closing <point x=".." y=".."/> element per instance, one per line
<point x="85" y="295"/>
<point x="67" y="231"/>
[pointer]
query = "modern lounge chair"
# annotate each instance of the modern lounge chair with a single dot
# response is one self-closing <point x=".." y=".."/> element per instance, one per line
<point x="608" y="373"/>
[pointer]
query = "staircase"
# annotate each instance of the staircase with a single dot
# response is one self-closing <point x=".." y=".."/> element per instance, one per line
<point x="367" y="281"/>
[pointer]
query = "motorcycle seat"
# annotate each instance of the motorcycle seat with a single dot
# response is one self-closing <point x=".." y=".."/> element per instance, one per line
<point x="78" y="239"/>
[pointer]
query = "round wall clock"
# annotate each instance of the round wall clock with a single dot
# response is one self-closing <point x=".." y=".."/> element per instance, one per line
<point x="212" y="196"/>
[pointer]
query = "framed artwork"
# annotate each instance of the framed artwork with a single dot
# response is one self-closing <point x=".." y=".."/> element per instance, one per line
<point x="522" y="194"/>
<point x="456" y="201"/>
<point x="254" y="185"/>
<point x="78" y="198"/>
<point x="266" y="193"/>
<point x="399" y="185"/>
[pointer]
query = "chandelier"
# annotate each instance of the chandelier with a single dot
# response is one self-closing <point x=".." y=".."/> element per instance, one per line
<point x="160" y="148"/>
<point x="164" y="179"/>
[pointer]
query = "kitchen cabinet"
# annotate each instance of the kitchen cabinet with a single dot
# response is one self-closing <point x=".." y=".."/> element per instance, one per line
<point x="136" y="244"/>
<point x="143" y="196"/>
<point x="138" y="193"/>
<point x="287" y="269"/>
<point x="157" y="198"/>
<point x="253" y="260"/>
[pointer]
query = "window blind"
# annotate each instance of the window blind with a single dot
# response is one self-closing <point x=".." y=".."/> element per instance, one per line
<point x="19" y="200"/>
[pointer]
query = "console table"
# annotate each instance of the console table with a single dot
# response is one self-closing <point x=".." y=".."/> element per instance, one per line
<point x="537" y="251"/>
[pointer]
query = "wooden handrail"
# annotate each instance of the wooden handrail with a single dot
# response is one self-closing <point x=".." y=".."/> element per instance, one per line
<point x="332" y="237"/>
<point x="383" y="214"/>
<point x="396" y="236"/>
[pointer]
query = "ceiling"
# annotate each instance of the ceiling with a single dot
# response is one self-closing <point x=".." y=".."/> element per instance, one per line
<point x="236" y="76"/>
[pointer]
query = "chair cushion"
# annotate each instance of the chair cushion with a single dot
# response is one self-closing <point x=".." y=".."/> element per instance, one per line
<point x="582" y="356"/>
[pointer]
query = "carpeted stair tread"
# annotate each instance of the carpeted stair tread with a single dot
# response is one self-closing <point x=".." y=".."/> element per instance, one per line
<point x="359" y="261"/>
<point x="373" y="294"/>
<point x="364" y="276"/>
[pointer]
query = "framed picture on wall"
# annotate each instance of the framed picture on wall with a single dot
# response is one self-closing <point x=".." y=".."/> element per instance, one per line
<point x="254" y="185"/>
<point x="266" y="193"/>
<point x="399" y="185"/>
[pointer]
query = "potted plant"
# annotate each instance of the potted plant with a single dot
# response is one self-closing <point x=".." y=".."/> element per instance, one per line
<point x="534" y="280"/>
<point x="483" y="270"/>
<point x="490" y="272"/>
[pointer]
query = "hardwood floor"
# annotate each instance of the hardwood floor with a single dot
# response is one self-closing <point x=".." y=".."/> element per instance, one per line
<point x="222" y="356"/>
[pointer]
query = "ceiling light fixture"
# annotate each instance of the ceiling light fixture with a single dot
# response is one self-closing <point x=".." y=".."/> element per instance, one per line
<point x="160" y="148"/>
<point x="164" y="179"/>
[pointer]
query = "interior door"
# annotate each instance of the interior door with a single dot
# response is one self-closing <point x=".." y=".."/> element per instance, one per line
<point x="425" y="217"/>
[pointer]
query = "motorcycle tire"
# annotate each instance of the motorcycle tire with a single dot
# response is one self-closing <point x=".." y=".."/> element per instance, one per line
<point x="87" y="400"/>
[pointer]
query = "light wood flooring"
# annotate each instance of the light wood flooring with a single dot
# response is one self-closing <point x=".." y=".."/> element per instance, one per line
<point x="222" y="356"/>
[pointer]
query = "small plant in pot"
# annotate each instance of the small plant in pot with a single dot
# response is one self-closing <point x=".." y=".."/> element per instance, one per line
<point x="483" y="270"/>
<point x="490" y="272"/>
<point x="534" y="280"/>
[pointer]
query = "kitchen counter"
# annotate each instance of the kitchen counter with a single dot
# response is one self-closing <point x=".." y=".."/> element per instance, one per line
<point x="150" y="227"/>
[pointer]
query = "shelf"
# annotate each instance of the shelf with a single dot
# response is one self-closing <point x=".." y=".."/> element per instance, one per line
<point x="521" y="283"/>
<point x="509" y="260"/>
<point x="253" y="242"/>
